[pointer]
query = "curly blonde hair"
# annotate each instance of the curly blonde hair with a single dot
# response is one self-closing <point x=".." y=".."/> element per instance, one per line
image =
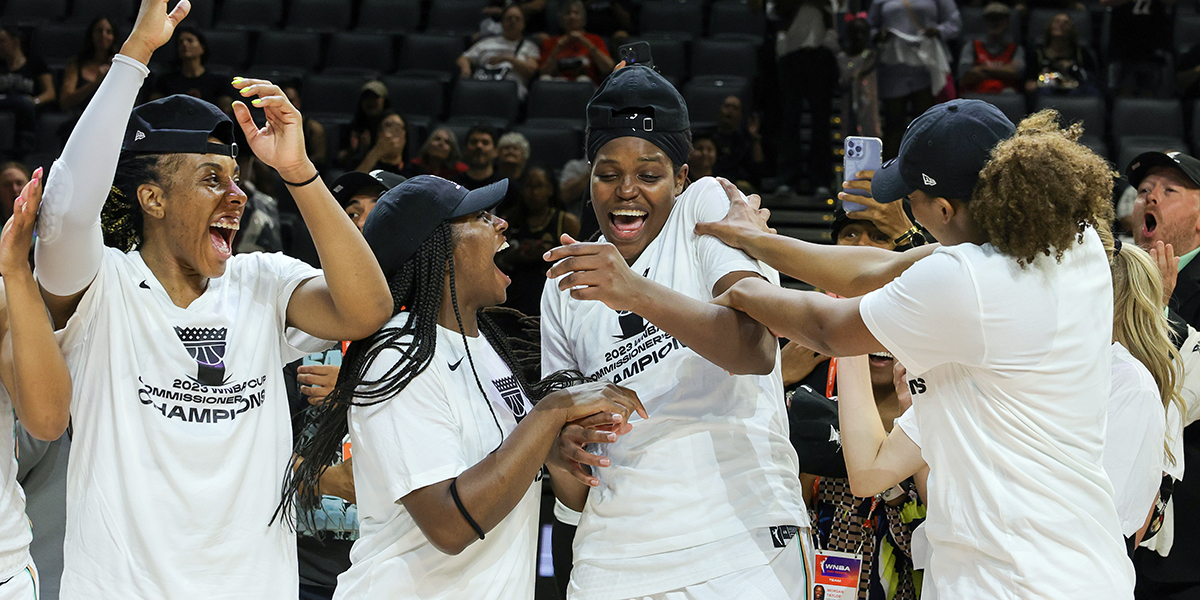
<point x="1040" y="189"/>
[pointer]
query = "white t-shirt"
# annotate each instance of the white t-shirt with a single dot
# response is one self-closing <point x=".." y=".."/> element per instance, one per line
<point x="1133" y="448"/>
<point x="182" y="434"/>
<point x="434" y="429"/>
<point x="1010" y="371"/>
<point x="524" y="49"/>
<point x="713" y="461"/>
<point x="15" y="533"/>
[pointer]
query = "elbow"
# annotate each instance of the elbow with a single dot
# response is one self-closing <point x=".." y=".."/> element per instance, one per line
<point x="449" y="543"/>
<point x="756" y="363"/>
<point x="47" y="427"/>
<point x="862" y="487"/>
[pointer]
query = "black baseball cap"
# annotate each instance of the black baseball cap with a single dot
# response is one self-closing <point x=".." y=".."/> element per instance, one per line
<point x="355" y="183"/>
<point x="638" y="98"/>
<point x="1141" y="165"/>
<point x="943" y="151"/>
<point x="406" y="215"/>
<point x="179" y="124"/>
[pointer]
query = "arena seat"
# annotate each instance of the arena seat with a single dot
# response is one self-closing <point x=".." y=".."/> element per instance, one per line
<point x="121" y="12"/>
<point x="736" y="20"/>
<point x="669" y="53"/>
<point x="57" y="43"/>
<point x="359" y="53"/>
<point x="389" y="16"/>
<point x="552" y="147"/>
<point x="457" y="17"/>
<point x="723" y="57"/>
<point x="322" y="16"/>
<point x="228" y="49"/>
<point x="326" y="94"/>
<point x="553" y="99"/>
<point x="704" y="99"/>
<point x="672" y="16"/>
<point x="1086" y="109"/>
<point x="1147" y="122"/>
<point x="490" y="102"/>
<point x="28" y="13"/>
<point x="1012" y="105"/>
<point x="291" y="53"/>
<point x="250" y="15"/>
<point x="427" y="55"/>
<point x="416" y="96"/>
<point x="1187" y="32"/>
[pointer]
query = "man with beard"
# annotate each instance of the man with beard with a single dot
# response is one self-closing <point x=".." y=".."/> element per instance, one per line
<point x="480" y="157"/>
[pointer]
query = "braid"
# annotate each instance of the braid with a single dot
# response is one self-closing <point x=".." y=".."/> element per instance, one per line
<point x="121" y="217"/>
<point x="416" y="289"/>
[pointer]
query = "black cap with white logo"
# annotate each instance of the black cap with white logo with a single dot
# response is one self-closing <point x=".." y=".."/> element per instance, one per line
<point x="357" y="183"/>
<point x="1140" y="166"/>
<point x="943" y="151"/>
<point x="179" y="124"/>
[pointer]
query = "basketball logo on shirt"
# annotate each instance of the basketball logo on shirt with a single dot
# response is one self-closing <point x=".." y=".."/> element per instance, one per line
<point x="631" y="324"/>
<point x="510" y="390"/>
<point x="207" y="346"/>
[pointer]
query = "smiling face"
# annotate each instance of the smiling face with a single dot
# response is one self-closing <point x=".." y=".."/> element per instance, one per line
<point x="102" y="36"/>
<point x="393" y="125"/>
<point x="477" y="238"/>
<point x="439" y="144"/>
<point x="703" y="156"/>
<point x="1168" y="210"/>
<point x="633" y="191"/>
<point x="536" y="190"/>
<point x="198" y="211"/>
<point x="512" y="155"/>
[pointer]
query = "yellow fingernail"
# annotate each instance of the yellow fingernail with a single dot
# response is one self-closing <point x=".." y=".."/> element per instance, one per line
<point x="256" y="101"/>
<point x="233" y="105"/>
<point x="237" y="80"/>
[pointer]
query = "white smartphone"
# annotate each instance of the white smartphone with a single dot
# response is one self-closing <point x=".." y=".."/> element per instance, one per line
<point x="862" y="154"/>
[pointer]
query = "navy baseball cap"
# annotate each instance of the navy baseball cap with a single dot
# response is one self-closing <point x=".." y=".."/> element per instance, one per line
<point x="1140" y="166"/>
<point x="943" y="151"/>
<point x="179" y="124"/>
<point x="355" y="183"/>
<point x="406" y="215"/>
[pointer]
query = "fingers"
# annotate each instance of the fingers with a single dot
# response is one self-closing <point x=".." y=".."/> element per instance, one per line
<point x="242" y="114"/>
<point x="634" y="402"/>
<point x="567" y="240"/>
<point x="579" y="250"/>
<point x="600" y="419"/>
<point x="765" y="213"/>
<point x="735" y="195"/>
<point x="868" y="175"/>
<point x="180" y="11"/>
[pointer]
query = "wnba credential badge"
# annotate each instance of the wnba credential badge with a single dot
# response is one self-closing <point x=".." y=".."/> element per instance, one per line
<point x="207" y="346"/>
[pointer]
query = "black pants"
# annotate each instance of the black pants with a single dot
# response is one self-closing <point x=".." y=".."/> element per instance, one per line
<point x="807" y="76"/>
<point x="897" y="114"/>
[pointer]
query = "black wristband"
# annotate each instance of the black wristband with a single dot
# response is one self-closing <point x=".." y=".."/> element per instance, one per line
<point x="306" y="181"/>
<point x="462" y="509"/>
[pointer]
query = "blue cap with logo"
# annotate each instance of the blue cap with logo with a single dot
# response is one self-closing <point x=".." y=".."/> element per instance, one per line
<point x="943" y="152"/>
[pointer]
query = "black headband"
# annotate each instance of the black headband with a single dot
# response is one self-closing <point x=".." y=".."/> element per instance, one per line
<point x="675" y="144"/>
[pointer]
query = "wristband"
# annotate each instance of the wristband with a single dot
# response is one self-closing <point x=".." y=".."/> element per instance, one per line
<point x="462" y="509"/>
<point x="306" y="181"/>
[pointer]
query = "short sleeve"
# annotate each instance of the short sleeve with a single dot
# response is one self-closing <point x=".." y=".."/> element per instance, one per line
<point x="930" y="315"/>
<point x="474" y="52"/>
<point x="716" y="259"/>
<point x="529" y="51"/>
<point x="395" y="437"/>
<point x="1133" y="447"/>
<point x="556" y="354"/>
<point x="285" y="274"/>
<point x="907" y="422"/>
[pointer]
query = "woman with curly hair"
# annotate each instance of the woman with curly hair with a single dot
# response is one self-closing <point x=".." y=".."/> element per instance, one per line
<point x="1005" y="331"/>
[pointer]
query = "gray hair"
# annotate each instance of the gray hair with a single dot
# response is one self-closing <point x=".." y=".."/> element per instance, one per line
<point x="514" y="138"/>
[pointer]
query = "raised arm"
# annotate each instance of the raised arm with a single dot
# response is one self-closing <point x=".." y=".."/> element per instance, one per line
<point x="70" y="242"/>
<point x="32" y="366"/>
<point x="875" y="460"/>
<point x="351" y="299"/>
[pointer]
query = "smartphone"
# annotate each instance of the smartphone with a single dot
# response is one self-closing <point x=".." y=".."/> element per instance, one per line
<point x="637" y="53"/>
<point x="862" y="154"/>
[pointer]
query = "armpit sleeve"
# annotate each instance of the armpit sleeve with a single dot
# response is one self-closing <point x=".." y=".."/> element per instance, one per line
<point x="70" y="243"/>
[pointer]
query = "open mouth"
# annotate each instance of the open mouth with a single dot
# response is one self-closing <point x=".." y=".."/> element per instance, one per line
<point x="627" y="224"/>
<point x="501" y="248"/>
<point x="1151" y="224"/>
<point x="221" y="234"/>
<point x="880" y="359"/>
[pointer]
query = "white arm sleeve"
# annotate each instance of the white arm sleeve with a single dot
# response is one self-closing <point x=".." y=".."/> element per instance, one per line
<point x="70" y="242"/>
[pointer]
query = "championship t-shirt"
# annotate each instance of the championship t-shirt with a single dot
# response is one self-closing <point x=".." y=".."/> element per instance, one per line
<point x="712" y="463"/>
<point x="438" y="426"/>
<point x="15" y="534"/>
<point x="181" y="435"/>
<point x="1010" y="370"/>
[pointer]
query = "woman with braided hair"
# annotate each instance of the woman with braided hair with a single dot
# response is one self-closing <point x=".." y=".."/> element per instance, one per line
<point x="181" y="435"/>
<point x="448" y="436"/>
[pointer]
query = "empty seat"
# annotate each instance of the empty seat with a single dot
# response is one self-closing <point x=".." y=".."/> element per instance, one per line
<point x="291" y="53"/>
<point x="250" y="15"/>
<point x="359" y="53"/>
<point x="323" y="16"/>
<point x="1012" y="105"/>
<point x="484" y="101"/>
<point x="389" y="16"/>
<point x="120" y="11"/>
<point x="1039" y="18"/>
<point x="330" y="95"/>
<point x="428" y="55"/>
<point x="559" y="99"/>
<point x="8" y="131"/>
<point x="416" y="96"/>
<point x="1187" y="32"/>
<point x="459" y="17"/>
<point x="1146" y="118"/>
<point x="57" y="43"/>
<point x="552" y="147"/>
<point x="201" y="13"/>
<point x="33" y="12"/>
<point x="228" y="48"/>
<point x="704" y="101"/>
<point x="669" y="54"/>
<point x="736" y="20"/>
<point x="672" y="16"/>
<point x="1086" y="109"/>
<point x="723" y="57"/>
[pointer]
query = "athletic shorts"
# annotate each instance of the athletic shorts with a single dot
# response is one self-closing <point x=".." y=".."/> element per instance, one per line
<point x="787" y="577"/>
<point x="22" y="586"/>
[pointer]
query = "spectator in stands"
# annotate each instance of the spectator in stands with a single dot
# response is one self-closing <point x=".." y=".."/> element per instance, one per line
<point x="740" y="156"/>
<point x="534" y="11"/>
<point x="807" y="75"/>
<point x="1187" y="74"/>
<point x="857" y="65"/>
<point x="1139" y="46"/>
<point x="576" y="55"/>
<point x="440" y="156"/>
<point x="315" y="142"/>
<point x="911" y="71"/>
<point x="358" y="192"/>
<point x="513" y="151"/>
<point x="13" y="177"/>
<point x="536" y="225"/>
<point x="25" y="84"/>
<point x="389" y="152"/>
<point x="372" y="101"/>
<point x="573" y="186"/>
<point x="1061" y="64"/>
<point x="612" y="19"/>
<point x="994" y="63"/>
<point x="480" y="157"/>
<point x="703" y="156"/>
<point x="190" y="76"/>
<point x="85" y="72"/>
<point x="509" y="56"/>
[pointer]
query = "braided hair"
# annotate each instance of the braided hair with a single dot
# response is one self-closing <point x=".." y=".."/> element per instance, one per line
<point x="121" y="217"/>
<point x="416" y="288"/>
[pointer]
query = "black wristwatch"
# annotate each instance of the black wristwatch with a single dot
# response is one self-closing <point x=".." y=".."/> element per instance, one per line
<point x="910" y="239"/>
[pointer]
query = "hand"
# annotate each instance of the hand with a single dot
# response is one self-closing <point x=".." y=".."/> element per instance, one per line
<point x="319" y="380"/>
<point x="500" y="58"/>
<point x="570" y="454"/>
<point x="798" y="362"/>
<point x="889" y="217"/>
<point x="744" y="221"/>
<point x="900" y="380"/>
<point x="589" y="399"/>
<point x="752" y="126"/>
<point x="279" y="143"/>
<point x="154" y="27"/>
<point x="577" y="35"/>
<point x="598" y="271"/>
<point x="1168" y="264"/>
<point x="17" y="236"/>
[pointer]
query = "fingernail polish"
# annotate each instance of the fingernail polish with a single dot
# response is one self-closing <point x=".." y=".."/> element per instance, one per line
<point x="237" y="80"/>
<point x="256" y="101"/>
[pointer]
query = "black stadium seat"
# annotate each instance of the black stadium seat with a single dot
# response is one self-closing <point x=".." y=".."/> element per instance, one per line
<point x="331" y="95"/>
<point x="230" y="49"/>
<point x="558" y="100"/>
<point x="704" y="99"/>
<point x="458" y="17"/>
<point x="669" y="53"/>
<point x="427" y="55"/>
<point x="552" y="147"/>
<point x="359" y="53"/>
<point x="33" y="12"/>
<point x="736" y="20"/>
<point x="1040" y="17"/>
<point x="723" y="57"/>
<point x="673" y="16"/>
<point x="57" y="44"/>
<point x="1147" y="122"/>
<point x="1012" y="105"/>
<point x="389" y="16"/>
<point x="416" y="96"/>
<point x="250" y="15"/>
<point x="1086" y="109"/>
<point x="121" y="12"/>
<point x="290" y="53"/>
<point x="491" y="102"/>
<point x="324" y="16"/>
